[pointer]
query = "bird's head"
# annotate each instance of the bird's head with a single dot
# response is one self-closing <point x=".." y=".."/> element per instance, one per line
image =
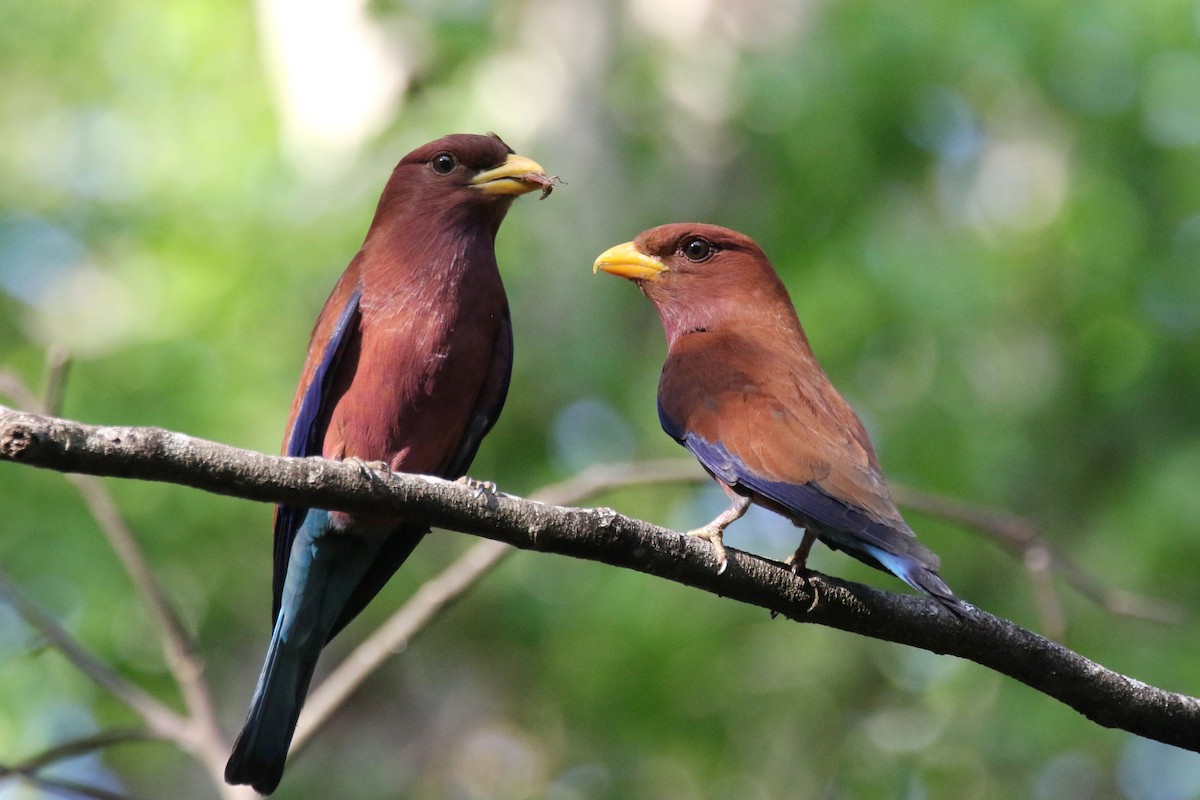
<point x="465" y="175"/>
<point x="700" y="277"/>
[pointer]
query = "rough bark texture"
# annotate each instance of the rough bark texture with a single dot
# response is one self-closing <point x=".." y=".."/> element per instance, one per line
<point x="1105" y="697"/>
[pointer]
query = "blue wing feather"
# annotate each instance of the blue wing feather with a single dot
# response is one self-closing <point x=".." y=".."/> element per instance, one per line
<point x="308" y="434"/>
<point x="840" y="525"/>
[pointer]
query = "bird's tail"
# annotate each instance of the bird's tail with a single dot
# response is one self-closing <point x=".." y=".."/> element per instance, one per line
<point x="261" y="748"/>
<point x="921" y="578"/>
<point x="323" y="571"/>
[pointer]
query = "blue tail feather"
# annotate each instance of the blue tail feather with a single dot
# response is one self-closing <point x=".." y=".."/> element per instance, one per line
<point x="323" y="571"/>
<point x="920" y="578"/>
<point x="262" y="747"/>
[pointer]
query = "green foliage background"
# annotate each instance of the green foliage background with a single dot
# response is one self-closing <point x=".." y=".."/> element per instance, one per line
<point x="988" y="214"/>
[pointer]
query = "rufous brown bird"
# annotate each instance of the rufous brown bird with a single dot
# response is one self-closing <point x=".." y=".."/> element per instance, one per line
<point x="743" y="392"/>
<point x="407" y="369"/>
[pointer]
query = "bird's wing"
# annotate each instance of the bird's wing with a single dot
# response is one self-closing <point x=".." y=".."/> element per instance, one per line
<point x="488" y="404"/>
<point x="761" y="424"/>
<point x="400" y="543"/>
<point x="336" y="329"/>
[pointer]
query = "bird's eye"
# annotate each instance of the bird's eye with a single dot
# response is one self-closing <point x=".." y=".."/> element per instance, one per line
<point x="443" y="163"/>
<point x="697" y="249"/>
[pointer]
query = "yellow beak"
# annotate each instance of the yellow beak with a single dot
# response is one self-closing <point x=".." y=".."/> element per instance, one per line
<point x="626" y="261"/>
<point x="517" y="175"/>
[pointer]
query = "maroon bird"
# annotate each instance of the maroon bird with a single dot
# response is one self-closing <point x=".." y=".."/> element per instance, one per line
<point x="408" y="365"/>
<point x="743" y="392"/>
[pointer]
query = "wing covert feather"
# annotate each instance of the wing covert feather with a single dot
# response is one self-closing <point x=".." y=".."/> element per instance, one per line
<point x="310" y="415"/>
<point x="771" y="424"/>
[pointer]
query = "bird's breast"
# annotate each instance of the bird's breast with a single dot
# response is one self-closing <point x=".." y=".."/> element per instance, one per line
<point x="421" y="367"/>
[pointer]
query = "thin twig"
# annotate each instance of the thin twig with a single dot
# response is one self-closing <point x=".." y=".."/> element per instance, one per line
<point x="431" y="598"/>
<point x="205" y="738"/>
<point x="79" y="747"/>
<point x="67" y="788"/>
<point x="1021" y="537"/>
<point x="436" y="594"/>
<point x="57" y="368"/>
<point x="29" y="769"/>
<point x="14" y="388"/>
<point x="606" y="477"/>
<point x="161" y="720"/>
<point x="178" y="650"/>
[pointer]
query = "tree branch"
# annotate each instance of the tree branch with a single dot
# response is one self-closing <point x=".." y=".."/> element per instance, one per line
<point x="78" y="747"/>
<point x="436" y="594"/>
<point x="1106" y="697"/>
<point x="160" y="719"/>
<point x="30" y="769"/>
<point x="1040" y="558"/>
<point x="204" y="737"/>
<point x="72" y="790"/>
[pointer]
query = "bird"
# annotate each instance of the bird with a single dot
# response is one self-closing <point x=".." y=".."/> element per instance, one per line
<point x="742" y="390"/>
<point x="408" y="368"/>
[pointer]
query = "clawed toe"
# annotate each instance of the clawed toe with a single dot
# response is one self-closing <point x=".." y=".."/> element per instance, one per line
<point x="481" y="488"/>
<point x="801" y="571"/>
<point x="713" y="536"/>
<point x="369" y="466"/>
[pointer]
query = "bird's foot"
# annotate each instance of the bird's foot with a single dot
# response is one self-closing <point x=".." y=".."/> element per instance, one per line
<point x="812" y="586"/>
<point x="368" y="466"/>
<point x="713" y="535"/>
<point x="796" y="562"/>
<point x="481" y="488"/>
<point x="799" y="559"/>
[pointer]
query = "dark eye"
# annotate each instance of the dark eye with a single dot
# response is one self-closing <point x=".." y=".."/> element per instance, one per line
<point x="443" y="163"/>
<point x="697" y="250"/>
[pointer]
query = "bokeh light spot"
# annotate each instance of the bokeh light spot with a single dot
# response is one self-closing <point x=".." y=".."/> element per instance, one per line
<point x="1172" y="100"/>
<point x="590" y="432"/>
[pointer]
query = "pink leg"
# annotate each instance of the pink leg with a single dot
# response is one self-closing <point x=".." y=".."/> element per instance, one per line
<point x="798" y="560"/>
<point x="714" y="531"/>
